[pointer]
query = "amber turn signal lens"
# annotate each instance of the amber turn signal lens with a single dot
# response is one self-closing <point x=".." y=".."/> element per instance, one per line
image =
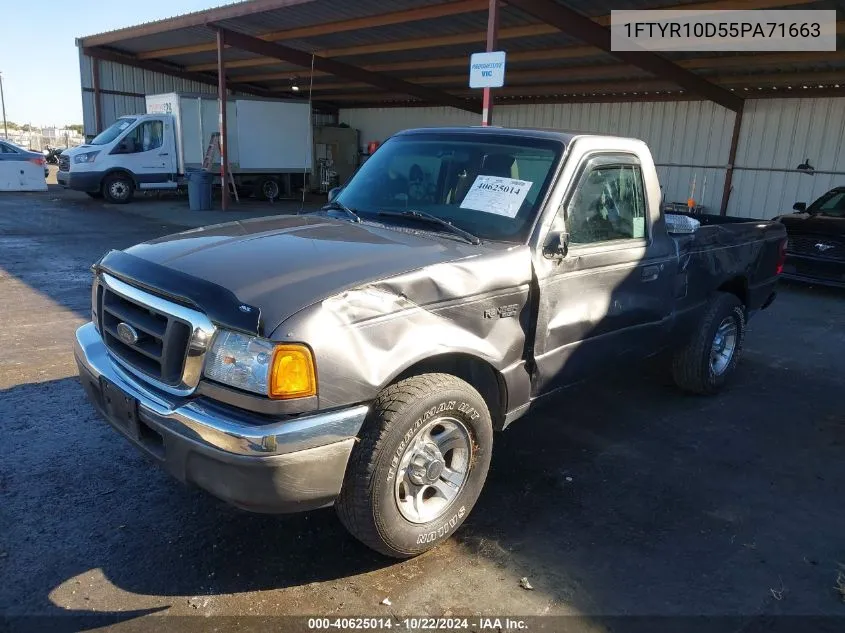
<point x="292" y="374"/>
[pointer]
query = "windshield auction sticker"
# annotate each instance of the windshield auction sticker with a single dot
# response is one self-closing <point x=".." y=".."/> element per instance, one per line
<point x="495" y="194"/>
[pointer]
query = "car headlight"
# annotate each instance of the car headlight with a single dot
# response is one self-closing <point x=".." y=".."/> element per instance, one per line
<point x="279" y="371"/>
<point x="85" y="157"/>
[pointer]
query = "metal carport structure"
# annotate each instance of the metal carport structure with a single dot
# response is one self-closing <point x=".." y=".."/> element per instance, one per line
<point x="413" y="53"/>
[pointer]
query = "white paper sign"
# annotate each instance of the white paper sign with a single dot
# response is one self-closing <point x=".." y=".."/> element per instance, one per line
<point x="495" y="194"/>
<point x="487" y="70"/>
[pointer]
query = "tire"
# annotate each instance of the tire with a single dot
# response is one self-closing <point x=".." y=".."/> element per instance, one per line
<point x="118" y="188"/>
<point x="95" y="194"/>
<point x="409" y="414"/>
<point x="696" y="367"/>
<point x="268" y="188"/>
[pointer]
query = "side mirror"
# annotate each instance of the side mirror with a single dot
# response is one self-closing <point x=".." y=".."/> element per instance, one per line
<point x="334" y="193"/>
<point x="800" y="206"/>
<point x="557" y="246"/>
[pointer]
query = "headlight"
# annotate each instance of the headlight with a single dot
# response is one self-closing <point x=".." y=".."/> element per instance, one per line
<point x="261" y="366"/>
<point x="85" y="157"/>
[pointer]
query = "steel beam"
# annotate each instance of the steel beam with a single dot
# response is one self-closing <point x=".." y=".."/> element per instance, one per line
<point x="729" y="172"/>
<point x="222" y="99"/>
<point x="456" y="7"/>
<point x="117" y="57"/>
<point x="586" y="30"/>
<point x="198" y="18"/>
<point x="492" y="41"/>
<point x="341" y="69"/>
<point x="98" y="104"/>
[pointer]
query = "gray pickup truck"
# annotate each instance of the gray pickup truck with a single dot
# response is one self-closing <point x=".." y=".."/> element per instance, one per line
<point x="363" y="355"/>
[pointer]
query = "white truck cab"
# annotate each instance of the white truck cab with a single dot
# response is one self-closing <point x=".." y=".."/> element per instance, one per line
<point x="136" y="151"/>
<point x="269" y="143"/>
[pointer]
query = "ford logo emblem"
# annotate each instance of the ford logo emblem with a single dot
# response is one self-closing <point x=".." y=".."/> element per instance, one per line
<point x="127" y="333"/>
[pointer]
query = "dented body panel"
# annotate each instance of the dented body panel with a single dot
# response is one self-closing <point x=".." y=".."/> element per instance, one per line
<point x="373" y="301"/>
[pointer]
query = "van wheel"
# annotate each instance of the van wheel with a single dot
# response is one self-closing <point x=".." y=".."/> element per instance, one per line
<point x="118" y="188"/>
<point x="419" y="467"/>
<point x="705" y="363"/>
<point x="268" y="188"/>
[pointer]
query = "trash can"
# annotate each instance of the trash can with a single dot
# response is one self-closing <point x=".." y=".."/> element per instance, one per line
<point x="199" y="190"/>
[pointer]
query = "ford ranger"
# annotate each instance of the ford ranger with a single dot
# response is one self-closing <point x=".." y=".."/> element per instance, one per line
<point x="363" y="355"/>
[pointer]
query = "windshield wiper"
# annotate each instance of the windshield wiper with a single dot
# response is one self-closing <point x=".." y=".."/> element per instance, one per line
<point x="335" y="204"/>
<point x="433" y="219"/>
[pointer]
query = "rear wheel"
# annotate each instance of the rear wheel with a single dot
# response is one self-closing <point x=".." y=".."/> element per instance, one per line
<point x="419" y="467"/>
<point x="707" y="360"/>
<point x="118" y="188"/>
<point x="268" y="188"/>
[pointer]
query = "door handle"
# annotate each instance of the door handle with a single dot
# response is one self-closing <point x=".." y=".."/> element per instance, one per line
<point x="164" y="154"/>
<point x="650" y="273"/>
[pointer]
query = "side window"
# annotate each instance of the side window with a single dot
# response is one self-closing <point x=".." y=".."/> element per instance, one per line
<point x="6" y="149"/>
<point x="608" y="205"/>
<point x="147" y="136"/>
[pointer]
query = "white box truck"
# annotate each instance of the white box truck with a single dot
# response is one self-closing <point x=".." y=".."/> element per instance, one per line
<point x="269" y="147"/>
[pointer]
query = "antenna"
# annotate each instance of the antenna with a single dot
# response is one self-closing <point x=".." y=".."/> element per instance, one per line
<point x="308" y="134"/>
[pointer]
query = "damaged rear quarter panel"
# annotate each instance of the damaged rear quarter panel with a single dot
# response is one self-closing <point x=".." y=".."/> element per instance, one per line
<point x="364" y="337"/>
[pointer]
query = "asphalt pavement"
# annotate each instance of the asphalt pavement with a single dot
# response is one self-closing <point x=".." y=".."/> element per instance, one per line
<point x="622" y="497"/>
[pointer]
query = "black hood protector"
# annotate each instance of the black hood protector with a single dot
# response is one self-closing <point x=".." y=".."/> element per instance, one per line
<point x="220" y="304"/>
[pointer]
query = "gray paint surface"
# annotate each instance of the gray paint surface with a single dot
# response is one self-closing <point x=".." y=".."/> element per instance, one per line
<point x="616" y="499"/>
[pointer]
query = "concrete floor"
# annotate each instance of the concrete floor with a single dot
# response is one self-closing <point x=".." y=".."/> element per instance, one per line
<point x="619" y="498"/>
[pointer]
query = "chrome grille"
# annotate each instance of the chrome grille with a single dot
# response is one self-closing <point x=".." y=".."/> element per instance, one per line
<point x="64" y="163"/>
<point x="167" y="342"/>
<point x="817" y="246"/>
<point x="162" y="341"/>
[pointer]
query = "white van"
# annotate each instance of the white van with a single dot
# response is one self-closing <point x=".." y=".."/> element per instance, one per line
<point x="269" y="147"/>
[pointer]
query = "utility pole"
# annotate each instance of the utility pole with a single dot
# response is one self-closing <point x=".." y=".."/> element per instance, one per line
<point x="3" y="103"/>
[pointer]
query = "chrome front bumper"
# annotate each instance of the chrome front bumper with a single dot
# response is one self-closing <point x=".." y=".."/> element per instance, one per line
<point x="285" y="466"/>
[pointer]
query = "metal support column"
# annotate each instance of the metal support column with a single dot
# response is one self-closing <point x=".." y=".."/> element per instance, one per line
<point x="492" y="42"/>
<point x="729" y="173"/>
<point x="3" y="102"/>
<point x="224" y="146"/>
<point x="98" y="107"/>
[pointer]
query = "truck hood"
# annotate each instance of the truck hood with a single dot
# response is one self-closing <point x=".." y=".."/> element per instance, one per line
<point x="283" y="264"/>
<point x="813" y="224"/>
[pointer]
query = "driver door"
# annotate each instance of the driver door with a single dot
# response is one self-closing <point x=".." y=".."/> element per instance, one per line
<point x="149" y="151"/>
<point x="605" y="300"/>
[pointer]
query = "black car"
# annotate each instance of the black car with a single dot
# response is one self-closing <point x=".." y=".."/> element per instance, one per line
<point x="816" y="249"/>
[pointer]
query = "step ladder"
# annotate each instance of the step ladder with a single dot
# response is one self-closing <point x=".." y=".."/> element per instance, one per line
<point x="213" y="149"/>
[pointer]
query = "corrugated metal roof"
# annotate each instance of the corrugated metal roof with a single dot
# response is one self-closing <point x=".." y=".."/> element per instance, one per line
<point x="422" y="40"/>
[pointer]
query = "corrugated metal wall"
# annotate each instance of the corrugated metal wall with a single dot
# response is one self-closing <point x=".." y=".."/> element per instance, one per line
<point x="776" y="136"/>
<point x="689" y="139"/>
<point x="126" y="79"/>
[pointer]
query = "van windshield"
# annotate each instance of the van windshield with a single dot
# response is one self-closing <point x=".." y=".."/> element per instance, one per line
<point x="112" y="132"/>
<point x="490" y="185"/>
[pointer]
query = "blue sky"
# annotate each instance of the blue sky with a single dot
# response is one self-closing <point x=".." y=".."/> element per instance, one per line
<point x="38" y="54"/>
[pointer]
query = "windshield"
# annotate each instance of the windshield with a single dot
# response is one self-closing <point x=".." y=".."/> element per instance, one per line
<point x="112" y="132"/>
<point x="488" y="185"/>
<point x="832" y="203"/>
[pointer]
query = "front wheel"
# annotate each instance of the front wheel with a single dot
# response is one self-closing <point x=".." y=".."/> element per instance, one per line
<point x="419" y="467"/>
<point x="707" y="360"/>
<point x="118" y="188"/>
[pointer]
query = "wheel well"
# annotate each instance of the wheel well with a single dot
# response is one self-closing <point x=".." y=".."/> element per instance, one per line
<point x="478" y="373"/>
<point x="738" y="286"/>
<point x="121" y="172"/>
